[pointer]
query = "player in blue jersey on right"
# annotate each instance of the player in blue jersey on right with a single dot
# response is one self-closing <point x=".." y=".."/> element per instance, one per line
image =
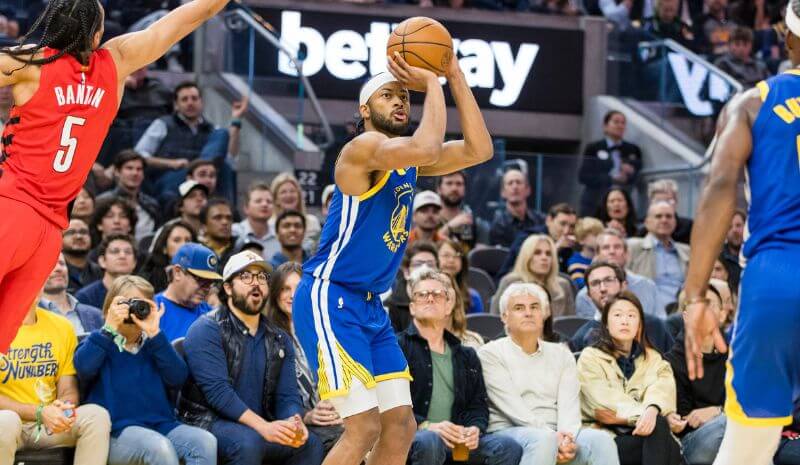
<point x="759" y="130"/>
<point x="338" y="316"/>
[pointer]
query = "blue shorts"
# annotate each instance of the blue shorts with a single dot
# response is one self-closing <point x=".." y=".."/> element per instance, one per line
<point x="345" y="334"/>
<point x="763" y="372"/>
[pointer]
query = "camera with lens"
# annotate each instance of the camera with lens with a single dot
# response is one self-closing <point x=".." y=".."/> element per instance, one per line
<point x="138" y="307"/>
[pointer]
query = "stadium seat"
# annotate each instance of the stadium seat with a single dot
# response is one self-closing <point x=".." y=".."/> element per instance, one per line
<point x="57" y="456"/>
<point x="567" y="326"/>
<point x="567" y="277"/>
<point x="481" y="282"/>
<point x="488" y="259"/>
<point x="490" y="327"/>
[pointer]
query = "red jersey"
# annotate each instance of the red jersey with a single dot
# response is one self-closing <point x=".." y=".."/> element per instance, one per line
<point x="51" y="142"/>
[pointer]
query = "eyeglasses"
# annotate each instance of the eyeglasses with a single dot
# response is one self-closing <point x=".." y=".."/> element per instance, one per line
<point x="76" y="232"/>
<point x="439" y="295"/>
<point x="247" y="277"/>
<point x="201" y="282"/>
<point x="607" y="281"/>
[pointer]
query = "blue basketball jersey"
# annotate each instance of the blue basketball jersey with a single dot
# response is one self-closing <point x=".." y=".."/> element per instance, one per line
<point x="364" y="237"/>
<point x="772" y="174"/>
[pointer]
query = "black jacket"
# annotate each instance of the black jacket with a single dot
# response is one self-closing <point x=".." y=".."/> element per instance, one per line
<point x="470" y="406"/>
<point x="700" y="393"/>
<point x="595" y="168"/>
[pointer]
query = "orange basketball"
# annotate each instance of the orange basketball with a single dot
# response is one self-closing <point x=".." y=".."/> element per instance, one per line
<point x="422" y="42"/>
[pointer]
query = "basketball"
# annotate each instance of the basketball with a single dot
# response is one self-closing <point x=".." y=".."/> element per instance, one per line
<point x="422" y="42"/>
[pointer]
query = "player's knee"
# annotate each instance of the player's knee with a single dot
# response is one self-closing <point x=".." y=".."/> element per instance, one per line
<point x="399" y="424"/>
<point x="362" y="431"/>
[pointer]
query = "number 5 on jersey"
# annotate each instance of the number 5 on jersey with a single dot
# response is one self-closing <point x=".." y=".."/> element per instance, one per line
<point x="63" y="160"/>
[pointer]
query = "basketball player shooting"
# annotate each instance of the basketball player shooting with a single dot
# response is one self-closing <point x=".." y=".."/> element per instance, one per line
<point x="758" y="131"/>
<point x="67" y="89"/>
<point x="337" y="312"/>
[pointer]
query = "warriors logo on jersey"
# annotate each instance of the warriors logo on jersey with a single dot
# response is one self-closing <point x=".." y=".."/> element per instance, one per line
<point x="398" y="233"/>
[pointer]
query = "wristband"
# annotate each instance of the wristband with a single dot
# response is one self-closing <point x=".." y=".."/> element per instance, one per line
<point x="695" y="300"/>
<point x="39" y="422"/>
<point x="236" y="123"/>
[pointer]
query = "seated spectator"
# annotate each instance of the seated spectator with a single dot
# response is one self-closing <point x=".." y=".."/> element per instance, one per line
<point x="666" y="190"/>
<point x="616" y="211"/>
<point x="76" y="244"/>
<point x="217" y="220"/>
<point x="611" y="247"/>
<point x="114" y="215"/>
<point x="533" y="388"/>
<point x="204" y="172"/>
<point x="733" y="246"/>
<point x="586" y="232"/>
<point x="728" y="307"/>
<point x="84" y="318"/>
<point x="457" y="325"/>
<point x="39" y="394"/>
<point x="255" y="227"/>
<point x="165" y="245"/>
<point x="627" y="388"/>
<point x="426" y="218"/>
<point x="83" y="206"/>
<point x="191" y="276"/>
<point x="538" y="263"/>
<point x="714" y="29"/>
<point x="453" y="260"/>
<point x="515" y="217"/>
<point x="117" y="257"/>
<point x="789" y="449"/>
<point x="739" y="62"/>
<point x="193" y="199"/>
<point x="459" y="221"/>
<point x="699" y="420"/>
<point x="667" y="23"/>
<point x="610" y="162"/>
<point x="290" y="227"/>
<point x="145" y="99"/>
<point x="327" y="196"/>
<point x="288" y="195"/>
<point x="130" y="366"/>
<point x="172" y="141"/>
<point x="320" y="415"/>
<point x="129" y="174"/>
<point x="418" y="254"/>
<point x="657" y="255"/>
<point x="604" y="282"/>
<point x="621" y="14"/>
<point x="447" y="390"/>
<point x="240" y="389"/>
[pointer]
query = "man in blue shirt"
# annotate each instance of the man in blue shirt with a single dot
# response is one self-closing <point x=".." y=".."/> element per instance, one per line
<point x="243" y="386"/>
<point x="193" y="271"/>
<point x="117" y="257"/>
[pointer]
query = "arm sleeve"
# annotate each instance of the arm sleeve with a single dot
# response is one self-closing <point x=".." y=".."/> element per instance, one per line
<point x="502" y="393"/>
<point x="569" y="405"/>
<point x="287" y="395"/>
<point x="662" y="392"/>
<point x="151" y="139"/>
<point x="170" y="365"/>
<point x="91" y="354"/>
<point x="598" y="393"/>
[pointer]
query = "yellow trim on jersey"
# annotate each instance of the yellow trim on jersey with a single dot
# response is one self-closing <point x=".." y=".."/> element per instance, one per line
<point x="401" y="172"/>
<point x="735" y="412"/>
<point x="405" y="374"/>
<point x="763" y="89"/>
<point x="794" y="71"/>
<point x="374" y="189"/>
<point x="350" y="369"/>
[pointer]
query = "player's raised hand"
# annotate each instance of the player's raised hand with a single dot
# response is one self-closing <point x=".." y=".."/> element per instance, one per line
<point x="700" y="321"/>
<point x="411" y="77"/>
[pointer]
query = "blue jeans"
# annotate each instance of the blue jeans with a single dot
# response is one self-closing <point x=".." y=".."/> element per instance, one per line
<point x="241" y="445"/>
<point x="700" y="446"/>
<point x="540" y="446"/>
<point x="429" y="449"/>
<point x="144" y="446"/>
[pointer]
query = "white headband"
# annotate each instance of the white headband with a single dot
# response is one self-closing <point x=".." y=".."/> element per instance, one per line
<point x="371" y="86"/>
<point x="792" y="21"/>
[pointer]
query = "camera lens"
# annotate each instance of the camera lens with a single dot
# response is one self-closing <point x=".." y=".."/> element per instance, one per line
<point x="139" y="307"/>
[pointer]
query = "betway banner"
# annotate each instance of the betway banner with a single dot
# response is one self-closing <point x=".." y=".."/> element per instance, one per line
<point x="508" y="67"/>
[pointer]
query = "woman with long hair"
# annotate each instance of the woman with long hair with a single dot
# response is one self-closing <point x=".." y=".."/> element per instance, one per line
<point x="288" y="195"/>
<point x="616" y="211"/>
<point x="453" y="261"/>
<point x="537" y="262"/>
<point x="168" y="240"/>
<point x="458" y="319"/>
<point x="627" y="388"/>
<point x="320" y="415"/>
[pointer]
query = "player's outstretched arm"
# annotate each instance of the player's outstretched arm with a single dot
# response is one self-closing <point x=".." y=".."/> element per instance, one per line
<point x="476" y="147"/>
<point x="712" y="219"/>
<point x="138" y="49"/>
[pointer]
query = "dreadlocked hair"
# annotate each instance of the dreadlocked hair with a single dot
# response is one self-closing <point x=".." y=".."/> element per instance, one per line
<point x="68" y="26"/>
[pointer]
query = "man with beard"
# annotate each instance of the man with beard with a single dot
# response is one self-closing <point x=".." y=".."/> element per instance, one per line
<point x="217" y="220"/>
<point x="291" y="228"/>
<point x="84" y="318"/>
<point x="337" y="313"/>
<point x="76" y="244"/>
<point x="244" y="389"/>
<point x="459" y="222"/>
<point x="193" y="272"/>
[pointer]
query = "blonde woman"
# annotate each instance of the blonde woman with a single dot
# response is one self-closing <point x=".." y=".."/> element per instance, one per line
<point x="458" y="319"/>
<point x="288" y="195"/>
<point x="537" y="262"/>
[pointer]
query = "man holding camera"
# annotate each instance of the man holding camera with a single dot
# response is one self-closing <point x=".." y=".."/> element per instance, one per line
<point x="39" y="394"/>
<point x="191" y="275"/>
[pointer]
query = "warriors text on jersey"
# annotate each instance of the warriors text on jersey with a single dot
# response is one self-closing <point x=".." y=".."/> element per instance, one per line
<point x="364" y="237"/>
<point x="52" y="141"/>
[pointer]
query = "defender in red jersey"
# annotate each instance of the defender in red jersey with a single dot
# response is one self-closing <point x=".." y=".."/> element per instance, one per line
<point x="67" y="90"/>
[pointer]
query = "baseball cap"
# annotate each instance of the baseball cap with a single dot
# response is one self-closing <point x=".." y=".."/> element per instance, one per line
<point x="190" y="184"/>
<point x="426" y="198"/>
<point x="198" y="260"/>
<point x="241" y="261"/>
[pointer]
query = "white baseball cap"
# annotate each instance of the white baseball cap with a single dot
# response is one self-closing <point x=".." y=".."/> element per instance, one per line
<point x="426" y="198"/>
<point x="241" y="261"/>
<point x="188" y="185"/>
